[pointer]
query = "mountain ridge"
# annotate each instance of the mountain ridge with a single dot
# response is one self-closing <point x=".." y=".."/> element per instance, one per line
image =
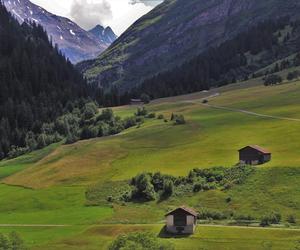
<point x="76" y="43"/>
<point x="175" y="32"/>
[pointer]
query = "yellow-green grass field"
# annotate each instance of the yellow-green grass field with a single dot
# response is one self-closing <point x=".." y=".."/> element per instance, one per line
<point x="47" y="187"/>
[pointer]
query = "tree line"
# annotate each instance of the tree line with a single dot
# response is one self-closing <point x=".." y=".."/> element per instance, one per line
<point x="228" y="63"/>
<point x="36" y="80"/>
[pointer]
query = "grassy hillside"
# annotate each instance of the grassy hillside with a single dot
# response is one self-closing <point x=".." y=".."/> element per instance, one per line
<point x="48" y="187"/>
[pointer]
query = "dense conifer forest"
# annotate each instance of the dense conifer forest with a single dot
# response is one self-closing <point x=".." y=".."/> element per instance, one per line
<point x="37" y="82"/>
<point x="234" y="60"/>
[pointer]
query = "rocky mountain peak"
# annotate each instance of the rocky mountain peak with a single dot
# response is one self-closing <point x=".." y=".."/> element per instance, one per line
<point x="76" y="43"/>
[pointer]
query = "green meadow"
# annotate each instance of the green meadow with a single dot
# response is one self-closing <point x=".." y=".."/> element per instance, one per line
<point x="42" y="194"/>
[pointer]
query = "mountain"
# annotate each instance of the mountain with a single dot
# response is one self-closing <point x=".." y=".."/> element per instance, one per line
<point x="76" y="43"/>
<point x="176" y="31"/>
<point x="105" y="35"/>
<point x="36" y="84"/>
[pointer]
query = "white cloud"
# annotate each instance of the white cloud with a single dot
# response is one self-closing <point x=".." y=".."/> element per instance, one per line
<point x="146" y="2"/>
<point x="119" y="14"/>
<point x="90" y="13"/>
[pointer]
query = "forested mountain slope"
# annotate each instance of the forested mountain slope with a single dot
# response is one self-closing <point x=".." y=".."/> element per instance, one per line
<point x="175" y="32"/>
<point x="36" y="82"/>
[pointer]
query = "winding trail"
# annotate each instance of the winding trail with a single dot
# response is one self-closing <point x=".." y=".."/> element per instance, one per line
<point x="239" y="110"/>
<point x="32" y="225"/>
<point x="252" y="113"/>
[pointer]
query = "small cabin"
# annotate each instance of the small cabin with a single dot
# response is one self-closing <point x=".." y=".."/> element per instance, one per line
<point x="136" y="102"/>
<point x="182" y="220"/>
<point x="254" y="155"/>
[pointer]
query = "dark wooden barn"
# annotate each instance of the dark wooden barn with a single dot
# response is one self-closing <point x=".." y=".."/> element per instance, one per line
<point x="254" y="155"/>
<point x="136" y="102"/>
<point x="182" y="220"/>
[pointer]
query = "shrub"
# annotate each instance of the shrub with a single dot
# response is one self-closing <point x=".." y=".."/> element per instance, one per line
<point x="211" y="214"/>
<point x="141" y="112"/>
<point x="4" y="242"/>
<point x="90" y="110"/>
<point x="12" y="242"/>
<point x="272" y="218"/>
<point x="106" y="115"/>
<point x="228" y="199"/>
<point x="139" y="241"/>
<point x="145" y="98"/>
<point x="293" y="75"/>
<point x="129" y="122"/>
<point x="272" y="80"/>
<point x="291" y="219"/>
<point x="160" y="117"/>
<point x="168" y="188"/>
<point x="17" y="151"/>
<point x="264" y="221"/>
<point x="16" y="241"/>
<point x="151" y="115"/>
<point x="88" y="132"/>
<point x="179" y="120"/>
<point x="242" y="217"/>
<point x="144" y="189"/>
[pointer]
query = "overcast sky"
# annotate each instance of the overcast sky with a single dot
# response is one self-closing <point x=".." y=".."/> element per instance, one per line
<point x="119" y="14"/>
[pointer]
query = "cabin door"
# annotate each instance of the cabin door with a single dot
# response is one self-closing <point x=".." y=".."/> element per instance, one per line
<point x="180" y="220"/>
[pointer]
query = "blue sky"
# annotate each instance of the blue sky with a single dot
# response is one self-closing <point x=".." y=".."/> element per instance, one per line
<point x="119" y="14"/>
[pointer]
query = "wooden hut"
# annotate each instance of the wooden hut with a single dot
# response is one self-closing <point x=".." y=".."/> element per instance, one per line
<point x="182" y="220"/>
<point x="136" y="102"/>
<point x="254" y="155"/>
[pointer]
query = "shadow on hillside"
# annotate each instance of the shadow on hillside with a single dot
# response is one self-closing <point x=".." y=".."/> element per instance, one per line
<point x="165" y="235"/>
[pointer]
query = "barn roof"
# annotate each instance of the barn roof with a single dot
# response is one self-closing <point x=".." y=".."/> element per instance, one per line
<point x="258" y="148"/>
<point x="188" y="210"/>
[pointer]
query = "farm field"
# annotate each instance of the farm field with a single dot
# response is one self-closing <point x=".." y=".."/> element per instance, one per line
<point x="47" y="187"/>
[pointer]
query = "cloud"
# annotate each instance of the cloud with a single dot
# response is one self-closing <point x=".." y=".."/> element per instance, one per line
<point x="90" y="13"/>
<point x="151" y="3"/>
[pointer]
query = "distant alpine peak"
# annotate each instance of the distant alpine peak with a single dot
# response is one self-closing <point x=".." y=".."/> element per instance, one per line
<point x="105" y="35"/>
<point x="76" y="43"/>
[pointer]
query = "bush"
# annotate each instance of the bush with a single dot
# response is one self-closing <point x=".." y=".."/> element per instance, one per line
<point x="145" y="98"/>
<point x="272" y="218"/>
<point x="242" y="217"/>
<point x="179" y="120"/>
<point x="291" y="219"/>
<point x="88" y="132"/>
<point x="129" y="122"/>
<point x="293" y="75"/>
<point x="17" y="151"/>
<point x="160" y="117"/>
<point x="151" y="115"/>
<point x="90" y="110"/>
<point x="141" y="112"/>
<point x="264" y="221"/>
<point x="272" y="80"/>
<point x="139" y="241"/>
<point x="168" y="188"/>
<point x="228" y="199"/>
<point x="12" y="242"/>
<point x="106" y="115"/>
<point x="211" y="214"/>
<point x="144" y="189"/>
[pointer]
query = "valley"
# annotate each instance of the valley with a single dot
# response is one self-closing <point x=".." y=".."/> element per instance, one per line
<point x="47" y="187"/>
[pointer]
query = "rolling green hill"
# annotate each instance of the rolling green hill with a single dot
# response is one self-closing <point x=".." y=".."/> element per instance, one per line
<point x="48" y="187"/>
<point x="175" y="32"/>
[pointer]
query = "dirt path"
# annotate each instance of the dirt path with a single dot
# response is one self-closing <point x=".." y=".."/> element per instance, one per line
<point x="32" y="225"/>
<point x="252" y="113"/>
<point x="239" y="110"/>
